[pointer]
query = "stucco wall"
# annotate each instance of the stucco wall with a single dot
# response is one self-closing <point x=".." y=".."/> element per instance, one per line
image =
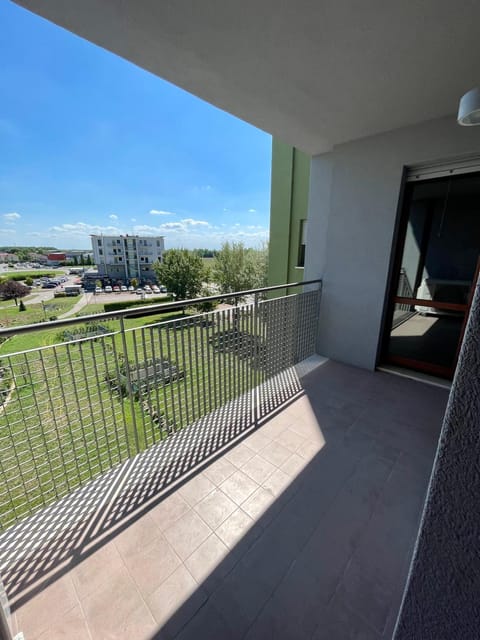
<point x="354" y="192"/>
<point x="441" y="601"/>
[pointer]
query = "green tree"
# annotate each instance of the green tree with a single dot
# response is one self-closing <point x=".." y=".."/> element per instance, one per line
<point x="28" y="281"/>
<point x="182" y="272"/>
<point x="238" y="268"/>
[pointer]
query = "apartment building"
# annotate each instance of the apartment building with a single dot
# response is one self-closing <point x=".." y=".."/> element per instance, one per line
<point x="122" y="258"/>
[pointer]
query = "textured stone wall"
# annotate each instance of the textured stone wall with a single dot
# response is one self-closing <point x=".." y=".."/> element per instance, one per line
<point x="442" y="598"/>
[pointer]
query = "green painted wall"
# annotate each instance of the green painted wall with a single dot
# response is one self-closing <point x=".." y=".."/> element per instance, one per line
<point x="289" y="205"/>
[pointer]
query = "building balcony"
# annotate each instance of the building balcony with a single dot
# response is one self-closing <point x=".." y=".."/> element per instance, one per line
<point x="209" y="476"/>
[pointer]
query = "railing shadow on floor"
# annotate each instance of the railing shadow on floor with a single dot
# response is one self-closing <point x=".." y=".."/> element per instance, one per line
<point x="45" y="546"/>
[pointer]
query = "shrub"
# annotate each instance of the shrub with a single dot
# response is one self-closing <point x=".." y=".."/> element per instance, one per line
<point x="117" y="306"/>
<point x="21" y="306"/>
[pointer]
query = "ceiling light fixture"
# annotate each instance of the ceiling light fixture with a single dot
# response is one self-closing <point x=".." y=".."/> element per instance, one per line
<point x="469" y="108"/>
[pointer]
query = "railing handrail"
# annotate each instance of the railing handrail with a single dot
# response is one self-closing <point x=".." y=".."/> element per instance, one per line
<point x="169" y="306"/>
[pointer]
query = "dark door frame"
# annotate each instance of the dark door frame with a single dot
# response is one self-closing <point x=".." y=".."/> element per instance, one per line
<point x="395" y="263"/>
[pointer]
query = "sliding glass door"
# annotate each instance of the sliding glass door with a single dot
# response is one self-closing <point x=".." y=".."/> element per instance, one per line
<point x="436" y="266"/>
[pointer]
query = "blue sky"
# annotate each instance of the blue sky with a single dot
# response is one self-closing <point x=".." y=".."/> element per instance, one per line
<point x="89" y="143"/>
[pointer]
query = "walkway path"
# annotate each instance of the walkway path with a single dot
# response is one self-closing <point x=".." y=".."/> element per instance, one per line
<point x="82" y="302"/>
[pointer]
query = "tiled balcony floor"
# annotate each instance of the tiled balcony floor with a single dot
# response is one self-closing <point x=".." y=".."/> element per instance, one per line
<point x="304" y="529"/>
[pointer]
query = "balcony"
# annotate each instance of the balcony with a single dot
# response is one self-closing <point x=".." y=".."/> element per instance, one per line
<point x="209" y="476"/>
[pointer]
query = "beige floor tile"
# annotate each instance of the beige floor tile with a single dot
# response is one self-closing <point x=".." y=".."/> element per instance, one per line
<point x="187" y="533"/>
<point x="290" y="440"/>
<point x="258" y="469"/>
<point x="215" y="508"/>
<point x="234" y="528"/>
<point x="196" y="489"/>
<point x="258" y="503"/>
<point x="169" y="510"/>
<point x="176" y="591"/>
<point x="277" y="482"/>
<point x="152" y="565"/>
<point x="108" y="609"/>
<point x="71" y="626"/>
<point x="206" y="558"/>
<point x="91" y="574"/>
<point x="239" y="455"/>
<point x="137" y="535"/>
<point x="219" y="471"/>
<point x="276" y="453"/>
<point x="238" y="487"/>
<point x="47" y="608"/>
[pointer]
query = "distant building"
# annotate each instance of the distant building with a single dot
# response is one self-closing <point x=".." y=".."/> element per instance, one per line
<point x="40" y="258"/>
<point x="78" y="254"/>
<point x="122" y="258"/>
<point x="8" y="257"/>
<point x="54" y="259"/>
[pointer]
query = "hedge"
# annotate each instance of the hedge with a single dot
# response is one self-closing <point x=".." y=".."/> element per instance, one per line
<point x="35" y="275"/>
<point x="116" y="306"/>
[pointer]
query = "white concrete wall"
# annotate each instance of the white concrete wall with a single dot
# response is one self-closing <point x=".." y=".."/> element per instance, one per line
<point x="354" y="196"/>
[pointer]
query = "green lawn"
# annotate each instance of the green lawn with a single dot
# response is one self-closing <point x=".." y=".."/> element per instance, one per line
<point x="10" y="316"/>
<point x="67" y="419"/>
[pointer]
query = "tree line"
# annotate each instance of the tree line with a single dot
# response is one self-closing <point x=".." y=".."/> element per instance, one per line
<point x="234" y="268"/>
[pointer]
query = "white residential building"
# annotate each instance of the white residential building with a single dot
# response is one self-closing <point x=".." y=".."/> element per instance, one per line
<point x="122" y="258"/>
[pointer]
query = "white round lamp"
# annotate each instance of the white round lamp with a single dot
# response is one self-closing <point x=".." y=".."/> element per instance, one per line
<point x="469" y="109"/>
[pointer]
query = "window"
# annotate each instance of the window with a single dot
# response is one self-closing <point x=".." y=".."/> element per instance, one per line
<point x="301" y="243"/>
<point x="99" y="242"/>
<point x="100" y="252"/>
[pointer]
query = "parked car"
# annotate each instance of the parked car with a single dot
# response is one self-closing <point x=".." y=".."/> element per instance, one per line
<point x="124" y="288"/>
<point x="147" y="289"/>
<point x="98" y="290"/>
<point x="108" y="289"/>
<point x="155" y="289"/>
<point x="163" y="289"/>
<point x="139" y="292"/>
<point x="130" y="288"/>
<point x="116" y="288"/>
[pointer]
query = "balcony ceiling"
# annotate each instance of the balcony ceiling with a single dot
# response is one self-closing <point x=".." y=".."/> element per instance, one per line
<point x="314" y="73"/>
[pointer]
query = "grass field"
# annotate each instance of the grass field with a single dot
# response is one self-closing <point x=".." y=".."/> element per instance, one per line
<point x="10" y="316"/>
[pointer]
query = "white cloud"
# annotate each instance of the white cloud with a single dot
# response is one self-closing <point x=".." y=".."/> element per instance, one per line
<point x="133" y="219"/>
<point x="112" y="216"/>
<point x="8" y="231"/>
<point x="10" y="218"/>
<point x="252" y="211"/>
<point x="195" y="223"/>
<point x="157" y="212"/>
<point x="84" y="229"/>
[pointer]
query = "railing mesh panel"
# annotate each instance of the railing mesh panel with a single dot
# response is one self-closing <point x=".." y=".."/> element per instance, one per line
<point x="73" y="410"/>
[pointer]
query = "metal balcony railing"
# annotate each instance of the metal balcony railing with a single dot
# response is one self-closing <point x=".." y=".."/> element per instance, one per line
<point x="106" y="388"/>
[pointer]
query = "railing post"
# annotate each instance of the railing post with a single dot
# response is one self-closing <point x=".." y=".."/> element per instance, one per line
<point x="256" y="362"/>
<point x="129" y="382"/>
<point x="5" y="633"/>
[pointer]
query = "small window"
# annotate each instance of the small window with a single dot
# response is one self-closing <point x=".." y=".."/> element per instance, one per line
<point x="301" y="243"/>
<point x="99" y="242"/>
<point x="100" y="252"/>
